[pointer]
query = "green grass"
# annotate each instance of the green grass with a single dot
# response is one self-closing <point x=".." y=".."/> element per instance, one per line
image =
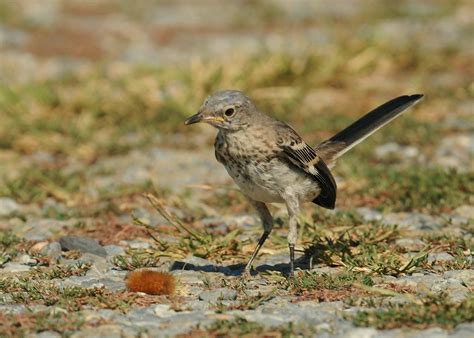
<point x="236" y="327"/>
<point x="24" y="290"/>
<point x="108" y="109"/>
<point x="191" y="241"/>
<point x="450" y="243"/>
<point x="418" y="188"/>
<point x="111" y="113"/>
<point x="102" y="107"/>
<point x="36" y="184"/>
<point x="344" y="239"/>
<point x="19" y="325"/>
<point x="241" y="327"/>
<point x="10" y="246"/>
<point x="136" y="258"/>
<point x="308" y="281"/>
<point x="433" y="311"/>
<point x="59" y="271"/>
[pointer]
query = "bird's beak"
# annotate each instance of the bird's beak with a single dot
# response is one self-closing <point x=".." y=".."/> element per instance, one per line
<point x="199" y="117"/>
<point x="194" y="119"/>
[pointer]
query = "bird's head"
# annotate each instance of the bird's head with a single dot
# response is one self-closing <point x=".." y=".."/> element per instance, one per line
<point x="227" y="109"/>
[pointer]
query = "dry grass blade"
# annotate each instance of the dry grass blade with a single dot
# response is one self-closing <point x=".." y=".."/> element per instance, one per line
<point x="414" y="262"/>
<point x="386" y="292"/>
<point x="173" y="219"/>
<point x="149" y="229"/>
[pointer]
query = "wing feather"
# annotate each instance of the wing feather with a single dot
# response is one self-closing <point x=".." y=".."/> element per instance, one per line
<point x="305" y="157"/>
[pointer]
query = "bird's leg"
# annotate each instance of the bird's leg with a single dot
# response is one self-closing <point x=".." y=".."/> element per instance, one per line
<point x="267" y="223"/>
<point x="293" y="207"/>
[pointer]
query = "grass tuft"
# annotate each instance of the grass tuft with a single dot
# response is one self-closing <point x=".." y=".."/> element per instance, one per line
<point x="435" y="310"/>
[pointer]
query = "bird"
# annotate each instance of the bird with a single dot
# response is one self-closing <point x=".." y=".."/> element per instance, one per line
<point x="271" y="163"/>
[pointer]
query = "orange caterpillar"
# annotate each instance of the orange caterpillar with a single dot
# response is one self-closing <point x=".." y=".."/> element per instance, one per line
<point x="150" y="282"/>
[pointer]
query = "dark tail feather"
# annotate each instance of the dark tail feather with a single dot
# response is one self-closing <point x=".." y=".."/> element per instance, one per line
<point x="346" y="139"/>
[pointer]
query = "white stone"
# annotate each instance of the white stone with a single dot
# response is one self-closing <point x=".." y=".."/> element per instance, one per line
<point x="163" y="311"/>
<point x="8" y="206"/>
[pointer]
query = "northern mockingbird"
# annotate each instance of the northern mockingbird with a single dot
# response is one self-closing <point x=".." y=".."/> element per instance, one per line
<point x="271" y="163"/>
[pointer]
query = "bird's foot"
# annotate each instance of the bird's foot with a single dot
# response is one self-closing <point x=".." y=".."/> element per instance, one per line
<point x="246" y="275"/>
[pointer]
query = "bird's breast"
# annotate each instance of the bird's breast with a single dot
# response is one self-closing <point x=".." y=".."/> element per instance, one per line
<point x="259" y="172"/>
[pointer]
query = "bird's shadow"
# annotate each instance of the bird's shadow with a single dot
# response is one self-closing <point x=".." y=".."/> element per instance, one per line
<point x="236" y="269"/>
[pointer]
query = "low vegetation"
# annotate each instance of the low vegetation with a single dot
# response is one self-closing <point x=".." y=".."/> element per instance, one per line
<point x="58" y="134"/>
<point x="435" y="310"/>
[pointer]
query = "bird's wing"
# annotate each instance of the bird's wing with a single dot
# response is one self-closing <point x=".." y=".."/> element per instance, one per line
<point x="305" y="157"/>
<point x="328" y="151"/>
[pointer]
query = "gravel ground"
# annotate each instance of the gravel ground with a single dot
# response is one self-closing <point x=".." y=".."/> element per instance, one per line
<point x="82" y="232"/>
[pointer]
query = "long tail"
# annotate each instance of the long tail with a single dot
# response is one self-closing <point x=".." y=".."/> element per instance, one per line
<point x="358" y="131"/>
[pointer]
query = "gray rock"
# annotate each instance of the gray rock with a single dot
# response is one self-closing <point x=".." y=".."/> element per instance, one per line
<point x="183" y="323"/>
<point x="192" y="290"/>
<point x="198" y="261"/>
<point x="13" y="308"/>
<point x="111" y="280"/>
<point x="369" y="214"/>
<point x="44" y="334"/>
<point x="103" y="331"/>
<point x="454" y="288"/>
<point x="51" y="207"/>
<point x="439" y="257"/>
<point x="8" y="207"/>
<point x="419" y="282"/>
<point x="99" y="261"/>
<point x="411" y="244"/>
<point x="113" y="284"/>
<point x="42" y="229"/>
<point x="189" y="276"/>
<point x="82" y="244"/>
<point x="464" y="276"/>
<point x="198" y="305"/>
<point x="81" y="281"/>
<point x="26" y="260"/>
<point x="147" y="217"/>
<point x="413" y="221"/>
<point x="99" y="266"/>
<point x="136" y="244"/>
<point x="21" y="308"/>
<point x="164" y="311"/>
<point x="199" y="264"/>
<point x="15" y="267"/>
<point x="52" y="249"/>
<point x="361" y="332"/>
<point x="218" y="295"/>
<point x="434" y="332"/>
<point x="138" y="167"/>
<point x="142" y="317"/>
<point x="464" y="330"/>
<point x="395" y="150"/>
<point x="456" y="220"/>
<point x="114" y="250"/>
<point x="279" y="312"/>
<point x="12" y="37"/>
<point x="42" y="157"/>
<point x="456" y="151"/>
<point x="466" y="211"/>
<point x="94" y="314"/>
<point x="256" y="283"/>
<point x="5" y="298"/>
<point x="262" y="290"/>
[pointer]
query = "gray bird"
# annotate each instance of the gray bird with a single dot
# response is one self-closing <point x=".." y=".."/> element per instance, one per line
<point x="271" y="163"/>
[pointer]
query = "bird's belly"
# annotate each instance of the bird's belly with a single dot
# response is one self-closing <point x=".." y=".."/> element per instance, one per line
<point x="254" y="183"/>
<point x="269" y="182"/>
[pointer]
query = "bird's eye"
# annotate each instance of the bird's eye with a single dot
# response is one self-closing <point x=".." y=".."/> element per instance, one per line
<point x="229" y="112"/>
